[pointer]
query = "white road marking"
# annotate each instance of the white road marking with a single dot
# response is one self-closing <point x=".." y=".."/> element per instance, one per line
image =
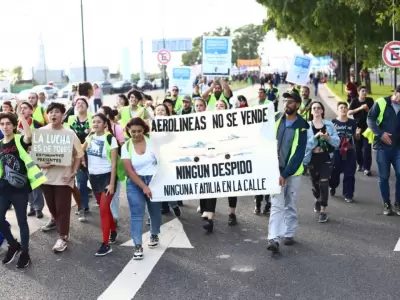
<point x="397" y="247"/>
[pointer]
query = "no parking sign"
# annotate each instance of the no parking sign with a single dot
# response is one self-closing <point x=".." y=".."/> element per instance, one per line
<point x="391" y="54"/>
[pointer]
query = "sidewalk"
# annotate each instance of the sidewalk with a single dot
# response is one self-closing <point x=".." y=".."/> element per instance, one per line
<point x="328" y="97"/>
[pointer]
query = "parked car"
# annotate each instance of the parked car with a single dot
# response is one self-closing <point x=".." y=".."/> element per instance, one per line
<point x="157" y="83"/>
<point x="7" y="97"/>
<point x="105" y="86"/>
<point x="66" y="91"/>
<point x="23" y="95"/>
<point x="121" y="87"/>
<point x="50" y="90"/>
<point x="145" y="85"/>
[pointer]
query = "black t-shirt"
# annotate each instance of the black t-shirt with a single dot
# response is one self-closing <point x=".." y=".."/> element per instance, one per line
<point x="346" y="130"/>
<point x="11" y="162"/>
<point x="361" y="116"/>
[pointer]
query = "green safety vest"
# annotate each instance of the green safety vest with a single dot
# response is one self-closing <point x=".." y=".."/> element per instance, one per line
<point x="178" y="104"/>
<point x="295" y="143"/>
<point x="368" y="133"/>
<point x="72" y="119"/>
<point x="120" y="168"/>
<point x="38" y="115"/>
<point x="306" y="114"/>
<point x="126" y="115"/>
<point x="35" y="175"/>
<point x="213" y="100"/>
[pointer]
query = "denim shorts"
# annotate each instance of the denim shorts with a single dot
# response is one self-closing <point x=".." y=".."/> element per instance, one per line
<point x="99" y="182"/>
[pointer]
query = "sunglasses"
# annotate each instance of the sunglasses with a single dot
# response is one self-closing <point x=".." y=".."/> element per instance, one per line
<point x="174" y="90"/>
<point x="289" y="101"/>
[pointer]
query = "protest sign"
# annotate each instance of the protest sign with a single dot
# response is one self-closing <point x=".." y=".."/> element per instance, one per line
<point x="215" y="154"/>
<point x="183" y="79"/>
<point x="217" y="55"/>
<point x="52" y="147"/>
<point x="300" y="70"/>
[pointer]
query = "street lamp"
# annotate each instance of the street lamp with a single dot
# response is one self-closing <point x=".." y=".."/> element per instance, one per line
<point x="83" y="45"/>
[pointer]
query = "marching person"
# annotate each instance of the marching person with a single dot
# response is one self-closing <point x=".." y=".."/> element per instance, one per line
<point x="60" y="179"/>
<point x="291" y="133"/>
<point x="18" y="177"/>
<point x="344" y="157"/>
<point x="322" y="139"/>
<point x="102" y="155"/>
<point x="140" y="164"/>
<point x="383" y="120"/>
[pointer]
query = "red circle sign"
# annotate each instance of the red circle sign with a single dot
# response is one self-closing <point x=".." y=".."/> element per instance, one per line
<point x="163" y="56"/>
<point x="391" y="54"/>
<point x="333" y="64"/>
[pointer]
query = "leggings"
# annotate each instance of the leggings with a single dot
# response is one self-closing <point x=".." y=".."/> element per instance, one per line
<point x="320" y="169"/>
<point x="210" y="204"/>
<point x="106" y="217"/>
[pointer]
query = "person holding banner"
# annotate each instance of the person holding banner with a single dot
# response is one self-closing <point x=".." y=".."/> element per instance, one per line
<point x="61" y="178"/>
<point x="291" y="133"/>
<point x="140" y="164"/>
<point x="102" y="155"/>
<point x="219" y="90"/>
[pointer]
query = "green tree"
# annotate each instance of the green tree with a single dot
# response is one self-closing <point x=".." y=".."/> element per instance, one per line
<point x="18" y="72"/>
<point x="246" y="41"/>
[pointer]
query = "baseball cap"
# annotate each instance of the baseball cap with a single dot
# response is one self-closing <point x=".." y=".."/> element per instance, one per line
<point x="293" y="95"/>
<point x="187" y="98"/>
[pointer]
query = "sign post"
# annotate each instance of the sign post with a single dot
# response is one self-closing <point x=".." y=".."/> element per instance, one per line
<point x="391" y="54"/>
<point x="333" y="64"/>
<point x="163" y="57"/>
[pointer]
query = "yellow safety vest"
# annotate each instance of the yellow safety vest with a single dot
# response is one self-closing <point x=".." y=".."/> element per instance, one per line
<point x="213" y="100"/>
<point x="368" y="133"/>
<point x="38" y="115"/>
<point x="295" y="143"/>
<point x="35" y="175"/>
<point x="306" y="114"/>
<point x="121" y="175"/>
<point x="126" y="115"/>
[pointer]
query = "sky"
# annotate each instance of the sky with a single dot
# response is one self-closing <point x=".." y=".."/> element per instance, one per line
<point x="111" y="26"/>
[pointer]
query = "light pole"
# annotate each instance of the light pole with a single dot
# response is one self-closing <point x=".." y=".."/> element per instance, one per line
<point x="394" y="38"/>
<point x="83" y="45"/>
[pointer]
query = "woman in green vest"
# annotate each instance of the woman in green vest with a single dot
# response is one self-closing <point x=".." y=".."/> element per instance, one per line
<point x="134" y="110"/>
<point x="19" y="175"/>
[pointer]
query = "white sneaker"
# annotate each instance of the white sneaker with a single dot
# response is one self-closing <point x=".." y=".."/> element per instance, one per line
<point x="60" y="246"/>
<point x="198" y="209"/>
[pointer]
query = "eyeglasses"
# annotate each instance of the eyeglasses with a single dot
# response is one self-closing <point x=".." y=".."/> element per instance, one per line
<point x="289" y="101"/>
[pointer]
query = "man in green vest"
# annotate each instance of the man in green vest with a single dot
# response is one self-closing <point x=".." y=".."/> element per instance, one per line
<point x="39" y="112"/>
<point x="381" y="77"/>
<point x="291" y="133"/>
<point x="219" y="90"/>
<point x="176" y="99"/>
<point x="19" y="175"/>
<point x="383" y="120"/>
<point x="305" y="106"/>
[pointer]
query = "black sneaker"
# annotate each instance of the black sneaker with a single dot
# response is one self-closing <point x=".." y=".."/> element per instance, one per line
<point x="267" y="209"/>
<point x="397" y="208"/>
<point x="104" y="250"/>
<point x="273" y="246"/>
<point x="24" y="260"/>
<point x="31" y="213"/>
<point x="232" y="220"/>
<point x="288" y="241"/>
<point x="39" y="214"/>
<point x="11" y="253"/>
<point x="180" y="203"/>
<point x="177" y="211"/>
<point x="138" y="252"/>
<point x="332" y="191"/>
<point x="360" y="169"/>
<point x="317" y="206"/>
<point x="209" y="226"/>
<point x="154" y="241"/>
<point x="113" y="237"/>
<point x="323" y="218"/>
<point x="387" y="209"/>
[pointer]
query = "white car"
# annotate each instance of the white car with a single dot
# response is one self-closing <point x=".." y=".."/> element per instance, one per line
<point x="8" y="97"/>
<point x="23" y="95"/>
<point x="51" y="91"/>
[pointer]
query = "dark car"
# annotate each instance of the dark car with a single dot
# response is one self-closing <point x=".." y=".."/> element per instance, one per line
<point x="106" y="87"/>
<point x="145" y="85"/>
<point x="121" y="87"/>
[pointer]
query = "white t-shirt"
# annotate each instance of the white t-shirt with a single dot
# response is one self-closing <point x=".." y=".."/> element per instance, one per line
<point x="97" y="154"/>
<point x="145" y="164"/>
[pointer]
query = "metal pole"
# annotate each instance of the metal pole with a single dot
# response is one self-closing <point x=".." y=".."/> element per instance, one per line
<point x="341" y="70"/>
<point x="355" y="53"/>
<point x="164" y="70"/>
<point x="394" y="38"/>
<point x="83" y="45"/>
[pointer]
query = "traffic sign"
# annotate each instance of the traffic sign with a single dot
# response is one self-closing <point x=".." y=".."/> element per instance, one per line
<point x="163" y="56"/>
<point x="391" y="54"/>
<point x="173" y="45"/>
<point x="333" y="64"/>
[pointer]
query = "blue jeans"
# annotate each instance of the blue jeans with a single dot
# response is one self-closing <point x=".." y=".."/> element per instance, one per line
<point x="364" y="153"/>
<point x="346" y="166"/>
<point x="36" y="199"/>
<point x="20" y="204"/>
<point x="137" y="200"/>
<point x="384" y="159"/>
<point x="115" y="201"/>
<point x="82" y="178"/>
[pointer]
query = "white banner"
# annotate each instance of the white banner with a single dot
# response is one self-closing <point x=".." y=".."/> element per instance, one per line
<point x="216" y="154"/>
<point x="217" y="55"/>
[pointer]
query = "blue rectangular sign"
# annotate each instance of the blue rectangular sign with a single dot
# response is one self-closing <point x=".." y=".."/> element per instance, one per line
<point x="181" y="73"/>
<point x="216" y="46"/>
<point x="173" y="45"/>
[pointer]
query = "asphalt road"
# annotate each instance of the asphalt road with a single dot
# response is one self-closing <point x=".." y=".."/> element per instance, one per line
<point x="350" y="257"/>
